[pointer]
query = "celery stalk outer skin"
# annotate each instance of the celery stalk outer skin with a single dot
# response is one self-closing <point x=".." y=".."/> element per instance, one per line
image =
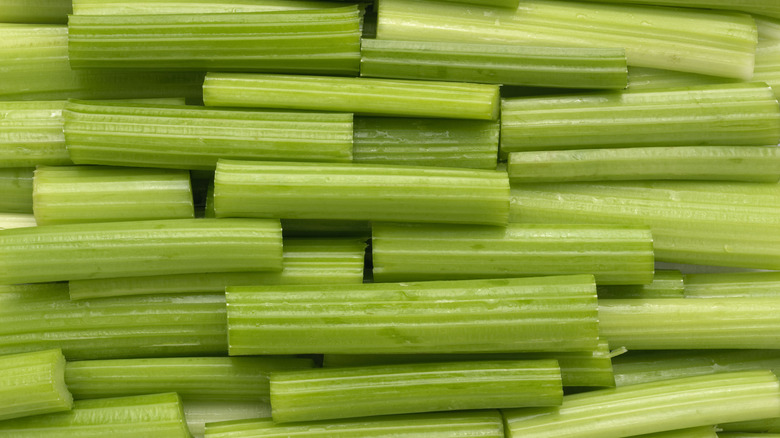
<point x="735" y="285"/>
<point x="31" y="134"/>
<point x="666" y="284"/>
<point x="33" y="384"/>
<point x="16" y="185"/>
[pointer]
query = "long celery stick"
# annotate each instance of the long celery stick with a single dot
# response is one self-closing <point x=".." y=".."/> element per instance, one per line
<point x="725" y="285"/>
<point x="366" y="96"/>
<point x="200" y="413"/>
<point x="149" y="416"/>
<point x="142" y="7"/>
<point x="505" y="315"/>
<point x="16" y="186"/>
<point x="709" y="163"/>
<point x="138" y="248"/>
<point x="360" y="192"/>
<point x="713" y="115"/>
<point x="330" y="393"/>
<point x="652" y="407"/>
<point x="692" y="432"/>
<point x="761" y="7"/>
<point x="714" y="43"/>
<point x="666" y="284"/>
<point x="640" y="78"/>
<point x="31" y="134"/>
<point x="768" y="67"/>
<point x="192" y="137"/>
<point x="16" y="220"/>
<point x="426" y="142"/>
<point x="33" y="384"/>
<point x="35" y="11"/>
<point x="613" y="254"/>
<point x="495" y="64"/>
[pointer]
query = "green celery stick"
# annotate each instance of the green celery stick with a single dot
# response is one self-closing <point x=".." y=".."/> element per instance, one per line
<point x="494" y="3"/>
<point x="762" y="7"/>
<point x="16" y="186"/>
<point x="148" y="416"/>
<point x="692" y="432"/>
<point x="548" y="314"/>
<point x="641" y="78"/>
<point x="32" y="384"/>
<point x="652" y="407"/>
<point x="138" y="248"/>
<point x="747" y="435"/>
<point x="330" y="393"/>
<point x="365" y="96"/>
<point x="768" y="30"/>
<point x="733" y="285"/>
<point x="768" y="67"/>
<point x="744" y="114"/>
<point x="370" y="192"/>
<point x="495" y="63"/>
<point x="200" y="413"/>
<point x="666" y="284"/>
<point x="16" y="220"/>
<point x="412" y="252"/>
<point x="714" y="43"/>
<point x="767" y="425"/>
<point x="292" y="228"/>
<point x="426" y="142"/>
<point x="143" y="7"/>
<point x="192" y="137"/>
<point x="31" y="134"/>
<point x="34" y="11"/>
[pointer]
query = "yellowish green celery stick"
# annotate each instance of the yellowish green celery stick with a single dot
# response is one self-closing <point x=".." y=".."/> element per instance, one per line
<point x="411" y="252"/>
<point x="313" y="228"/>
<point x="767" y="425"/>
<point x="16" y="220"/>
<point x="426" y="142"/>
<point x="733" y="285"/>
<point x="547" y="314"/>
<point x="666" y="284"/>
<point x="365" y="96"/>
<point x="762" y="7"/>
<point x="652" y="407"/>
<point x="495" y="63"/>
<point x="146" y="7"/>
<point x="16" y="186"/>
<point x="768" y="67"/>
<point x="714" y="43"/>
<point x="33" y="384"/>
<point x="641" y="78"/>
<point x="371" y="192"/>
<point x="200" y="413"/>
<point x="692" y="432"/>
<point x="35" y="11"/>
<point x="148" y="416"/>
<point x="330" y="393"/>
<point x="31" y="134"/>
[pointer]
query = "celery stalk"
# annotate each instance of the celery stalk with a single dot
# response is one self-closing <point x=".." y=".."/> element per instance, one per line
<point x="640" y="78"/>
<point x="35" y="11"/>
<point x="768" y="67"/>
<point x="767" y="425"/>
<point x="200" y="413"/>
<point x="16" y="220"/>
<point x="768" y="30"/>
<point x="16" y="186"/>
<point x="144" y="7"/>
<point x="666" y="284"/>
<point x="31" y="134"/>
<point x="33" y="384"/>
<point x="692" y="432"/>
<point x="761" y="7"/>
<point x="740" y="284"/>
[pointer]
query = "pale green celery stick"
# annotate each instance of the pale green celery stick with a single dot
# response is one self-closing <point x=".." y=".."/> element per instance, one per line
<point x="365" y="96"/>
<point x="705" y="223"/>
<point x="41" y="316"/>
<point x="714" y="43"/>
<point x="199" y="413"/>
<point x="16" y="186"/>
<point x="763" y="7"/>
<point x="641" y="78"/>
<point x="768" y="30"/>
<point x="32" y="384"/>
<point x="768" y="67"/>
<point x="412" y="252"/>
<point x="693" y="432"/>
<point x="16" y="220"/>
<point x="426" y="142"/>
<point x="738" y="284"/>
<point x="193" y="137"/>
<point x="465" y="424"/>
<point x="767" y="425"/>
<point x="495" y="63"/>
<point x="142" y="7"/>
<point x="371" y="192"/>
<point x="747" y="435"/>
<point x="35" y="11"/>
<point x="548" y="314"/>
<point x="652" y="407"/>
<point x="666" y="284"/>
<point x="31" y="134"/>
<point x="330" y="393"/>
<point x="745" y="114"/>
<point x="148" y="416"/>
<point x="305" y="261"/>
<point x="325" y="228"/>
<point x="138" y="248"/>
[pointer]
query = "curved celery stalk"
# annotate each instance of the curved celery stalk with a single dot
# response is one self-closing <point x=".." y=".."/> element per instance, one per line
<point x="733" y="285"/>
<point x="35" y="11"/>
<point x="16" y="186"/>
<point x="693" y="432"/>
<point x="761" y="7"/>
<point x="141" y="7"/>
<point x="16" y="220"/>
<point x="666" y="284"/>
<point x="365" y="96"/>
<point x="200" y="413"/>
<point x="33" y="384"/>
<point x="31" y="134"/>
<point x="641" y="78"/>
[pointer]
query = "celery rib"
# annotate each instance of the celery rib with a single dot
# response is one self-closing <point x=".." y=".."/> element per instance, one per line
<point x="31" y="134"/>
<point x="148" y="7"/>
<point x="640" y="78"/>
<point x="760" y="7"/>
<point x="733" y="285"/>
<point x="33" y="384"/>
<point x="16" y="186"/>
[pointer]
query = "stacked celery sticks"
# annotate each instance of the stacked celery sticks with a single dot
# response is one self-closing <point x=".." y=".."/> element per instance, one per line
<point x="399" y="218"/>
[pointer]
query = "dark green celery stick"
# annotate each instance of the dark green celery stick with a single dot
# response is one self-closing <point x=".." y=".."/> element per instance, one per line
<point x="199" y="413"/>
<point x="16" y="187"/>
<point x="738" y="284"/>
<point x="32" y="384"/>
<point x="148" y="416"/>
<point x="426" y="142"/>
<point x="693" y="432"/>
<point x="16" y="220"/>
<point x="714" y="43"/>
<point x="768" y="67"/>
<point x="767" y="425"/>
<point x="138" y="248"/>
<point x="652" y="407"/>
<point x="641" y="78"/>
<point x="613" y="254"/>
<point x="34" y="11"/>
<point x="192" y="137"/>
<point x="547" y="314"/>
<point x="330" y="393"/>
<point x="495" y="63"/>
<point x="365" y="96"/>
<point x="143" y="7"/>
<point x="709" y="115"/>
<point x="292" y="228"/>
<point x="370" y="192"/>
<point x="762" y="7"/>
<point x="666" y="284"/>
<point x="31" y="134"/>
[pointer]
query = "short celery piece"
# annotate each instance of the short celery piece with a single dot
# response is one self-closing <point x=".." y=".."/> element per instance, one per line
<point x="16" y="186"/>
<point x="142" y="7"/>
<point x="35" y="11"/>
<point x="666" y="284"/>
<point x="199" y="413"/>
<point x="652" y="407"/>
<point x="547" y="314"/>
<point x="733" y="285"/>
<point x="32" y="384"/>
<point x="149" y="416"/>
<point x="495" y="64"/>
<point x="31" y="134"/>
<point x="714" y="43"/>
<point x="411" y="252"/>
<point x="16" y="220"/>
<point x="364" y="96"/>
<point x="691" y="432"/>
<point x="640" y="78"/>
<point x="761" y="7"/>
<point x="360" y="192"/>
<point x="330" y="393"/>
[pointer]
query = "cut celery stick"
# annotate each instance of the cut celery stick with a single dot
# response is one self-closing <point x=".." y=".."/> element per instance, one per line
<point x="768" y="67"/>
<point x="762" y="7"/>
<point x="16" y="186"/>
<point x="745" y="114"/>
<point x="426" y="142"/>
<point x="199" y="413"/>
<point x="330" y="393"/>
<point x="148" y="416"/>
<point x="740" y="284"/>
<point x="613" y="254"/>
<point x="767" y="425"/>
<point x="31" y="134"/>
<point x="33" y="384"/>
<point x="505" y="315"/>
<point x="142" y="7"/>
<point x="652" y="407"/>
<point x="292" y="228"/>
<point x="370" y="192"/>
<point x="640" y="78"/>
<point x="34" y="11"/>
<point x="495" y="64"/>
<point x="666" y="284"/>
<point x="714" y="43"/>
<point x="710" y="163"/>
<point x="138" y="248"/>
<point x="192" y="137"/>
<point x="693" y="432"/>
<point x="16" y="220"/>
<point x="366" y="96"/>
